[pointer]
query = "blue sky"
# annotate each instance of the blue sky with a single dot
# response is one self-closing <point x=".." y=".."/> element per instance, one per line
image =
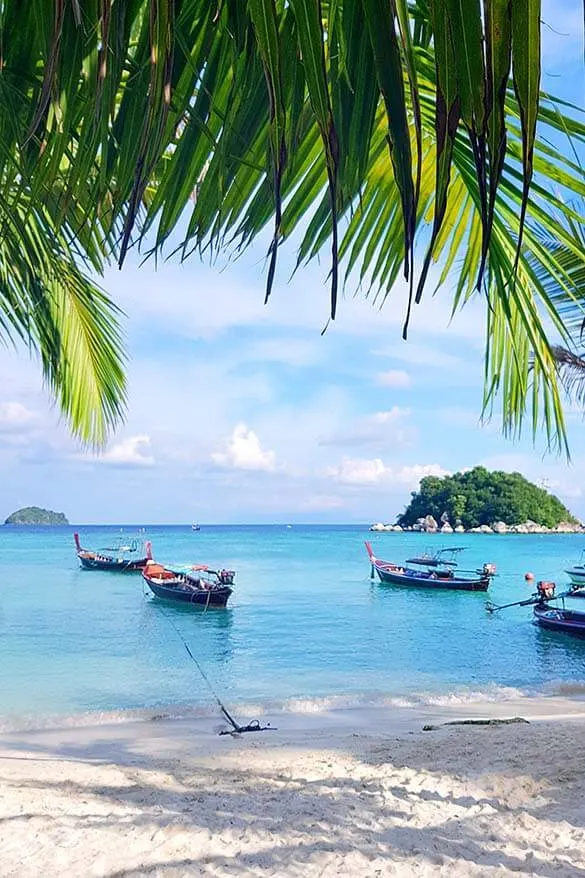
<point x="241" y="412"/>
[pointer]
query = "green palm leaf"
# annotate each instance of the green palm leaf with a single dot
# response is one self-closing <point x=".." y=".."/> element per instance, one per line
<point x="152" y="115"/>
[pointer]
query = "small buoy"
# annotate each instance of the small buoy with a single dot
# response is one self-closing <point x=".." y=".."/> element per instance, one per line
<point x="529" y="577"/>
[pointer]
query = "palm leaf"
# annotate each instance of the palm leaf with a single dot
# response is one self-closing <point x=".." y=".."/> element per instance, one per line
<point x="571" y="368"/>
<point x="153" y="118"/>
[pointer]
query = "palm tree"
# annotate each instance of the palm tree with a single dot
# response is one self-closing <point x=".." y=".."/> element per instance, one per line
<point x="356" y="124"/>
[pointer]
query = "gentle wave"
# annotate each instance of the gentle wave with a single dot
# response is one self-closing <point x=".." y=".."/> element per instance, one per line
<point x="565" y="688"/>
<point x="301" y="705"/>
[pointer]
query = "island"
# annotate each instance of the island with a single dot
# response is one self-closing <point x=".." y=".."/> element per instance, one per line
<point x="34" y="515"/>
<point x="480" y="501"/>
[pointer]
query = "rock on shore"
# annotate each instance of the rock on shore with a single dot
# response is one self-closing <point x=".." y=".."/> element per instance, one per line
<point x="429" y="525"/>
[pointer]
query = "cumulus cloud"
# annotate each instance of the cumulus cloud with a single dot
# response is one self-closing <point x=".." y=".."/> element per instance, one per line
<point x="361" y="471"/>
<point x="397" y="378"/>
<point x="129" y="453"/>
<point x="244" y="451"/>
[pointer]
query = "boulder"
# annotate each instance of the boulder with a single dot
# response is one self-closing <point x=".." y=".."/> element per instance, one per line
<point x="444" y="518"/>
<point x="459" y="529"/>
<point x="430" y="525"/>
<point x="500" y="527"/>
<point x="446" y="529"/>
<point x="568" y="527"/>
<point x="397" y="529"/>
<point x="485" y="529"/>
<point x="377" y="527"/>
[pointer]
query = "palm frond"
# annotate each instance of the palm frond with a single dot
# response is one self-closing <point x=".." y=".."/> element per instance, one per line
<point x="359" y="124"/>
<point x="571" y="368"/>
<point x="48" y="304"/>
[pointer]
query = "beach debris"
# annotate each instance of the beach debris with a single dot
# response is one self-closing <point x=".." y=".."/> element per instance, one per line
<point x="478" y="722"/>
<point x="487" y="722"/>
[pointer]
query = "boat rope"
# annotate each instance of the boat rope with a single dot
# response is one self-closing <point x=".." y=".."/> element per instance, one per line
<point x="236" y="728"/>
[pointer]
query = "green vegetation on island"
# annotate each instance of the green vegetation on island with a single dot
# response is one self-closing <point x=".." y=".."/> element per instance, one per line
<point x="36" y="515"/>
<point x="479" y="497"/>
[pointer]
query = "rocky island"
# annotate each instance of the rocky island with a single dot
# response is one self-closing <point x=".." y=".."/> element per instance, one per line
<point x="480" y="501"/>
<point x="34" y="515"/>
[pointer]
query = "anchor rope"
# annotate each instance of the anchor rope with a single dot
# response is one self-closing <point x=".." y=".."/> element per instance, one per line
<point x="253" y="725"/>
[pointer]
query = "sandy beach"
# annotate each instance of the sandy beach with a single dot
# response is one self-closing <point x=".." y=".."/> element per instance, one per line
<point x="342" y="793"/>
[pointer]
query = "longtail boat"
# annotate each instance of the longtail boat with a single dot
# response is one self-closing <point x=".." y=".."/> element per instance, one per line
<point x="192" y="585"/>
<point x="117" y="559"/>
<point x="552" y="618"/>
<point x="438" y="572"/>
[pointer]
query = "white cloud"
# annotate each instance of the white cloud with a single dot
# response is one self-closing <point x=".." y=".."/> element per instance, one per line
<point x="243" y="451"/>
<point x="394" y="378"/>
<point x="352" y="471"/>
<point x="128" y="453"/>
<point x="14" y="416"/>
<point x="381" y="428"/>
<point x="361" y="471"/>
<point x="234" y="298"/>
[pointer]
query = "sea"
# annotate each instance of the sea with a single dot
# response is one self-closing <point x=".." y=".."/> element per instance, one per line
<point x="306" y="628"/>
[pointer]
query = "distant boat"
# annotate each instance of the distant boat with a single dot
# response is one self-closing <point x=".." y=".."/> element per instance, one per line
<point x="438" y="572"/>
<point x="191" y="585"/>
<point x="117" y="559"/>
<point x="195" y="527"/>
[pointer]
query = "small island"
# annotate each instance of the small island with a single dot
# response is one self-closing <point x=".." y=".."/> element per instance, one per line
<point x="480" y="501"/>
<point x="34" y="515"/>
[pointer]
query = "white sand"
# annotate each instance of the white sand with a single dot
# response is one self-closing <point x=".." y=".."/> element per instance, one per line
<point x="339" y="794"/>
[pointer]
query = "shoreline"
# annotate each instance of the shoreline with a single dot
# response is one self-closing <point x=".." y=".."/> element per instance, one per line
<point x="424" y="704"/>
<point x="340" y="793"/>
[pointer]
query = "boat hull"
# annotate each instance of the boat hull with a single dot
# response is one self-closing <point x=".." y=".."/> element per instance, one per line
<point x="567" y="621"/>
<point x="412" y="579"/>
<point x="576" y="575"/>
<point x="113" y="565"/>
<point x="216" y="597"/>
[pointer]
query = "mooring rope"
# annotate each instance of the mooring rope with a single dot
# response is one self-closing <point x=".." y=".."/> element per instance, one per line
<point x="253" y="725"/>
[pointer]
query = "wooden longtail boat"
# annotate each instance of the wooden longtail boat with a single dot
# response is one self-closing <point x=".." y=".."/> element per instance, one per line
<point x="437" y="572"/>
<point x="192" y="585"/>
<point x="120" y="561"/>
<point x="560" y="619"/>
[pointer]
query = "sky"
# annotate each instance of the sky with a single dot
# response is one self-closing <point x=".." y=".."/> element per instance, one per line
<point x="241" y="413"/>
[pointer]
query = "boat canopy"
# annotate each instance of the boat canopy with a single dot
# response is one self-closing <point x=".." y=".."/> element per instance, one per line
<point x="428" y="559"/>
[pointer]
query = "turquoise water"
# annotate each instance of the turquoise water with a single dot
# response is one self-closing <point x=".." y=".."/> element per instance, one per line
<point x="305" y="625"/>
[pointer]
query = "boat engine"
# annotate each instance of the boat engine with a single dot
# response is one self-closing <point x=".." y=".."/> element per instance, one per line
<point x="546" y="590"/>
<point x="226" y="577"/>
<point x="489" y="570"/>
